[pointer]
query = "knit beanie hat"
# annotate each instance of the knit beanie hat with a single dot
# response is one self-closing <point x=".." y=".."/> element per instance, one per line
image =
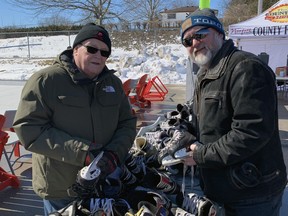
<point x="205" y="17"/>
<point x="91" y="30"/>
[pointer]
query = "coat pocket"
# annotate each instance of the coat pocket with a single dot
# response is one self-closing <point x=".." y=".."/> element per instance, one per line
<point x="245" y="176"/>
<point x="74" y="101"/>
<point x="216" y="99"/>
<point x="248" y="175"/>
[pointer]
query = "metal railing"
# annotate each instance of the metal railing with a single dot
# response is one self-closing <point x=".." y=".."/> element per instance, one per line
<point x="30" y="44"/>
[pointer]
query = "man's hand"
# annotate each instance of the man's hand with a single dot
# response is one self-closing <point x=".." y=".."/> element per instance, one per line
<point x="189" y="161"/>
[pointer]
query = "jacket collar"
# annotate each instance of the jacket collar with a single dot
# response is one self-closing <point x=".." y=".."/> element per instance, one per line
<point x="219" y="62"/>
<point x="65" y="59"/>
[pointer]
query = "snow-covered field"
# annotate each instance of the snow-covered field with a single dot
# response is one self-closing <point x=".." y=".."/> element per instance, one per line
<point x="18" y="61"/>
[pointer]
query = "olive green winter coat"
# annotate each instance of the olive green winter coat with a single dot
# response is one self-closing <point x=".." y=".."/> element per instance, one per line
<point x="61" y="113"/>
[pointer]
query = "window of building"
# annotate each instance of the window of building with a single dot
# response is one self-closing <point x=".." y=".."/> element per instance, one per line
<point x="171" y="16"/>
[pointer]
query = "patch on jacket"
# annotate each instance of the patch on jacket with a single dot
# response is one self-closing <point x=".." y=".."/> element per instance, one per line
<point x="109" y="89"/>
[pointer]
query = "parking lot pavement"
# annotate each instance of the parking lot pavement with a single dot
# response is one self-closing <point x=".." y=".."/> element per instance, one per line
<point x="23" y="201"/>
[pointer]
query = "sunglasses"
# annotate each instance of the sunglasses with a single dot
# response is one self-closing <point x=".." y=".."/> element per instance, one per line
<point x="188" y="42"/>
<point x="93" y="50"/>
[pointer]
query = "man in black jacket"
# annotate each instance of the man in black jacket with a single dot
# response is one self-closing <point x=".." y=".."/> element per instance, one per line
<point x="238" y="152"/>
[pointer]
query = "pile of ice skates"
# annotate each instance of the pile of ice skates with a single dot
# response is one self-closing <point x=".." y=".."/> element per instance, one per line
<point x="146" y="183"/>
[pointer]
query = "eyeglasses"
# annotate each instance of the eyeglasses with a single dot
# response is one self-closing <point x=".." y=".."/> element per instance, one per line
<point x="93" y="50"/>
<point x="188" y="42"/>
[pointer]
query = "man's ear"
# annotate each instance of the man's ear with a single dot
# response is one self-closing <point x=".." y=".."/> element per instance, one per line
<point x="75" y="50"/>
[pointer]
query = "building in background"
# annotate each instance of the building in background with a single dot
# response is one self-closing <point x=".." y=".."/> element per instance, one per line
<point x="174" y="17"/>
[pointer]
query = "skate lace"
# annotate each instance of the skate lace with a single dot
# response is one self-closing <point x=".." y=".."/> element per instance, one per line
<point x="177" y="136"/>
<point x="104" y="204"/>
<point x="191" y="203"/>
<point x="152" y="138"/>
<point x="183" y="185"/>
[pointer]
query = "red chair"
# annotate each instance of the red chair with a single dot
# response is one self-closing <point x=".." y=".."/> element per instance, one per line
<point x="2" y="120"/>
<point x="137" y="88"/>
<point x="141" y="85"/>
<point x="6" y="179"/>
<point x="9" y="117"/>
<point x="127" y="87"/>
<point x="155" y="90"/>
<point x="3" y="136"/>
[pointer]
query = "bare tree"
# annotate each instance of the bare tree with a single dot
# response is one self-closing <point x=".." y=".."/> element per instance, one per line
<point x="238" y="12"/>
<point x="55" y="20"/>
<point x="241" y="10"/>
<point x="144" y="11"/>
<point x="96" y="10"/>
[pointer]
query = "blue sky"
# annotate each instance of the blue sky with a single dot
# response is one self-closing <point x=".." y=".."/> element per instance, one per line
<point x="13" y="16"/>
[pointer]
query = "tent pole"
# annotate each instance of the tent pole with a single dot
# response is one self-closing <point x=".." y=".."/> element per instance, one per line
<point x="260" y="6"/>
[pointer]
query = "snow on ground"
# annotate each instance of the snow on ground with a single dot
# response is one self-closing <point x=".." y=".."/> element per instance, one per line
<point x="18" y="61"/>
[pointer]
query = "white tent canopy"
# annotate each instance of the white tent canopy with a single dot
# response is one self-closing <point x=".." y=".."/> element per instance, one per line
<point x="267" y="32"/>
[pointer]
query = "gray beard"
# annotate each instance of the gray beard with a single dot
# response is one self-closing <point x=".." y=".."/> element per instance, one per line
<point x="203" y="60"/>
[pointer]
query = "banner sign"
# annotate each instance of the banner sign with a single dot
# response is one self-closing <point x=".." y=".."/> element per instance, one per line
<point x="270" y="24"/>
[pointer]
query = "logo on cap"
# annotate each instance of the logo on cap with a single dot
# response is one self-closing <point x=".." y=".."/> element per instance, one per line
<point x="99" y="36"/>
